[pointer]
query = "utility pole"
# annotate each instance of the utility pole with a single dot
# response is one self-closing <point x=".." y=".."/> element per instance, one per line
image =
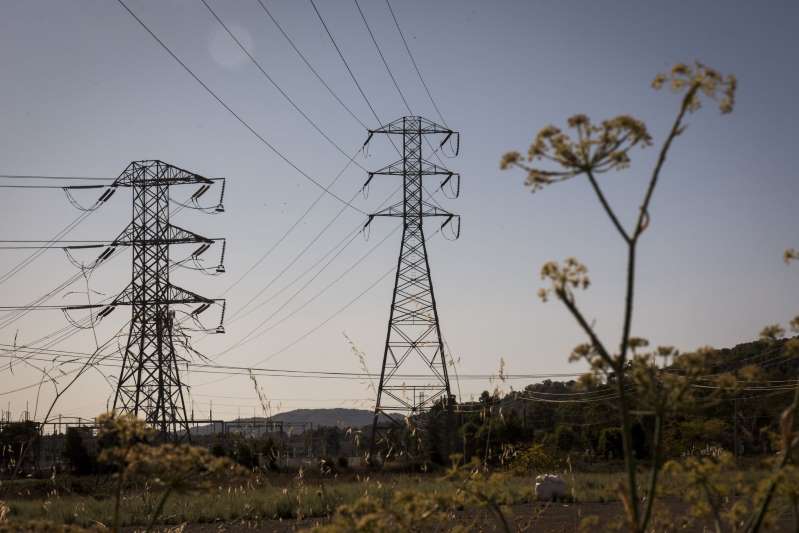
<point x="413" y="339"/>
<point x="149" y="382"/>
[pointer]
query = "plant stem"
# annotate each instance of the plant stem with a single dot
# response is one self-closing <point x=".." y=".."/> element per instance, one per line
<point x="655" y="470"/>
<point x="629" y="300"/>
<point x="606" y="205"/>
<point x="578" y="316"/>
<point x="500" y="517"/>
<point x="714" y="506"/>
<point x="159" y="509"/>
<point x="772" y="486"/>
<point x="676" y="129"/>
<point x="629" y="456"/>
<point x="117" y="502"/>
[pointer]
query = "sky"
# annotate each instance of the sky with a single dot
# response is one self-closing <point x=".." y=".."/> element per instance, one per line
<point x="86" y="90"/>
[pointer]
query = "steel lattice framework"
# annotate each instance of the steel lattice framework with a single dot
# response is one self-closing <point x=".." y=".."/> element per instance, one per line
<point x="413" y="339"/>
<point x="149" y="383"/>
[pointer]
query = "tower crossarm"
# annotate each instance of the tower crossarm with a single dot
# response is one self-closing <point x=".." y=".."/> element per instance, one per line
<point x="399" y="127"/>
<point x="397" y="210"/>
<point x="173" y="295"/>
<point x="171" y="235"/>
<point x="398" y="168"/>
<point x="427" y="169"/>
<point x="155" y="172"/>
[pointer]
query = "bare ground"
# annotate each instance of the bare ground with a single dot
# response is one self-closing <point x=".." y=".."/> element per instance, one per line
<point x="534" y="517"/>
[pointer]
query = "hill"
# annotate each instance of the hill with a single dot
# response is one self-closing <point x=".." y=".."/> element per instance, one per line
<point x="298" y="420"/>
<point x="339" y="417"/>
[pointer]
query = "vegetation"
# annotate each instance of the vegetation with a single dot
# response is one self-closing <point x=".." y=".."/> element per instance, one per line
<point x="648" y="428"/>
<point x="556" y="156"/>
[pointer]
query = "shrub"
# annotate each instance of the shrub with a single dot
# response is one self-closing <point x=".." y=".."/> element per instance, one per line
<point x="565" y="438"/>
<point x="80" y="459"/>
<point x="535" y="459"/>
<point x="610" y="443"/>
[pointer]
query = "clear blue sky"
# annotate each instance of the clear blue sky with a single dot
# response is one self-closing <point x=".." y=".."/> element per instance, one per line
<point x="85" y="90"/>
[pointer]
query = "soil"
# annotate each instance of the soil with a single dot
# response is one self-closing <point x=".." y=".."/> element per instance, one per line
<point x="536" y="517"/>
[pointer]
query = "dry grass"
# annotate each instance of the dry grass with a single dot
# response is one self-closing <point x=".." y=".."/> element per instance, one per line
<point x="286" y="497"/>
<point x="277" y="499"/>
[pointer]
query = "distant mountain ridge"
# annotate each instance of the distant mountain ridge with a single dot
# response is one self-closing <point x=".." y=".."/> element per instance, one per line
<point x="336" y="417"/>
<point x="312" y="418"/>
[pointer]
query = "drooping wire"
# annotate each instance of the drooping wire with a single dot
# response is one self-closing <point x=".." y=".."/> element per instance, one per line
<point x="320" y="325"/>
<point x="288" y="232"/>
<point x="283" y="93"/>
<point x="235" y="115"/>
<point x="56" y="178"/>
<point x="415" y="66"/>
<point x="382" y="57"/>
<point x="358" y="85"/>
<point x="252" y="335"/>
<point x="308" y="64"/>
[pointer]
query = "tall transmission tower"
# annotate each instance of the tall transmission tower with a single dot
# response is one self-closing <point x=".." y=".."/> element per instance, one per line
<point x="149" y="383"/>
<point x="413" y="340"/>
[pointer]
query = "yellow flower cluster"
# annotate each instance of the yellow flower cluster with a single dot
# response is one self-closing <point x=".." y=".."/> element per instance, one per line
<point x="699" y="79"/>
<point x="122" y="430"/>
<point x="179" y="466"/>
<point x="171" y="465"/>
<point x="563" y="278"/>
<point x="595" y="148"/>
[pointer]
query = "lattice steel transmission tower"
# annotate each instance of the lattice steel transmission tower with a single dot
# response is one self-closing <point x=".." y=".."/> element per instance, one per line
<point x="413" y="340"/>
<point x="149" y="383"/>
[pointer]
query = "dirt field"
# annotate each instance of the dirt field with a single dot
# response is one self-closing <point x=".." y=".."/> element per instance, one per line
<point x="537" y="517"/>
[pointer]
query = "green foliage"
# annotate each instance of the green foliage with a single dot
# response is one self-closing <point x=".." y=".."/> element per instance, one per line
<point x="535" y="460"/>
<point x="565" y="438"/>
<point x="589" y="149"/>
<point x="425" y="510"/>
<point x="251" y="453"/>
<point x="714" y="488"/>
<point x="171" y="467"/>
<point x="610" y="443"/>
<point x="80" y="459"/>
<point x="404" y="511"/>
<point x="19" y="445"/>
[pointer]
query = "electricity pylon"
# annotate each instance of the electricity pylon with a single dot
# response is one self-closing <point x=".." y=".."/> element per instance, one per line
<point x="413" y="340"/>
<point x="149" y="383"/>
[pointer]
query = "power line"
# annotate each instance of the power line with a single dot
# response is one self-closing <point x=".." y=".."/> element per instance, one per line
<point x="360" y="89"/>
<point x="382" y="57"/>
<point x="263" y="72"/>
<point x="60" y="241"/>
<point x="351" y="159"/>
<point x="250" y="337"/>
<point x="320" y="325"/>
<point x="396" y="84"/>
<point x="280" y="89"/>
<point x="246" y="370"/>
<point x="415" y="66"/>
<point x="28" y="260"/>
<point x="234" y="114"/>
<point x="31" y="187"/>
<point x="5" y="322"/>
<point x="341" y="55"/>
<point x="56" y="178"/>
<point x="241" y="313"/>
<point x="308" y="64"/>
